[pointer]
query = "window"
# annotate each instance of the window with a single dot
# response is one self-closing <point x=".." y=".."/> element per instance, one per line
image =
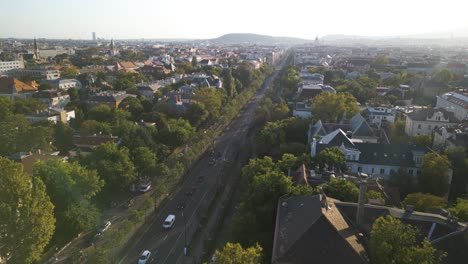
<point x="382" y="171"/>
<point x="410" y="171"/>
<point x="354" y="157"/>
<point x="419" y="126"/>
<point x="438" y="118"/>
<point x="418" y="172"/>
<point x="359" y="169"/>
<point x="372" y="170"/>
<point x="429" y="127"/>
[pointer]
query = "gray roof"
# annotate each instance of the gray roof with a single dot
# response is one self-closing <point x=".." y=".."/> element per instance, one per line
<point x="424" y="113"/>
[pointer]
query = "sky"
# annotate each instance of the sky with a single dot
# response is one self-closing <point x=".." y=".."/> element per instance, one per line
<point x="136" y="19"/>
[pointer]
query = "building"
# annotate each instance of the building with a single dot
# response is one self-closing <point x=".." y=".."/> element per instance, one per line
<point x="64" y="84"/>
<point x="456" y="102"/>
<point x="424" y="121"/>
<point x="148" y="89"/>
<point x="85" y="144"/>
<point x="6" y="66"/>
<point x="112" y="99"/>
<point x="112" y="48"/>
<point x="302" y="110"/>
<point x="53" y="115"/>
<point x="377" y="159"/>
<point x="13" y="88"/>
<point x="310" y="91"/>
<point x="27" y="159"/>
<point x="451" y="136"/>
<point x="53" y="98"/>
<point x="48" y="73"/>
<point x="379" y="115"/>
<point x="94" y="36"/>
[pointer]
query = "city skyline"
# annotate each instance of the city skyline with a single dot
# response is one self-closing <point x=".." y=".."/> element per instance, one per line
<point x="208" y="19"/>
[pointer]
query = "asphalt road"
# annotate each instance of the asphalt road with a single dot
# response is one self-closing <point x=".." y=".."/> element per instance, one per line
<point x="167" y="245"/>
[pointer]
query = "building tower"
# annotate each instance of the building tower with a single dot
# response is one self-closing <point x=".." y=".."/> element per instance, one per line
<point x="94" y="36"/>
<point x="112" y="50"/>
<point x="36" y="50"/>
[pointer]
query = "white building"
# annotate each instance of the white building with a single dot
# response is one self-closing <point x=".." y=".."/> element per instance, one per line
<point x="6" y="66"/>
<point x="45" y="73"/>
<point x="380" y="114"/>
<point x="424" y="121"/>
<point x="456" y="102"/>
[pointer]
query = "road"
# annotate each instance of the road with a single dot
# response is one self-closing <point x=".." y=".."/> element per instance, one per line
<point x="167" y="245"/>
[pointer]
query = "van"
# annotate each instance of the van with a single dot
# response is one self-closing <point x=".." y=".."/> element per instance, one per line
<point x="169" y="222"/>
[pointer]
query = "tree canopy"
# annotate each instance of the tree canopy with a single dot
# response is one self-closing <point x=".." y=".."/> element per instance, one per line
<point x="235" y="254"/>
<point x="394" y="242"/>
<point x="460" y="209"/>
<point x="424" y="201"/>
<point x="332" y="107"/>
<point x="331" y="158"/>
<point x="342" y="190"/>
<point x="26" y="214"/>
<point x="434" y="176"/>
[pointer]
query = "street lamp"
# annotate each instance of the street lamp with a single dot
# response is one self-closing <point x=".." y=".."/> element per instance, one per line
<point x="185" y="235"/>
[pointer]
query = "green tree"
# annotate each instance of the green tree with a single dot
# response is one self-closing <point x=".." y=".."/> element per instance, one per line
<point x="113" y="165"/>
<point x="396" y="132"/>
<point x="331" y="107"/>
<point x="342" y="190"/>
<point x="331" y="158"/>
<point x="69" y="72"/>
<point x="70" y="187"/>
<point x="196" y="113"/>
<point x="194" y="62"/>
<point x="403" y="181"/>
<point x="459" y="159"/>
<point x="6" y="107"/>
<point x="229" y="83"/>
<point x="210" y="98"/>
<point x="375" y="195"/>
<point x="101" y="113"/>
<point x="235" y="254"/>
<point x="424" y="201"/>
<point x="26" y="214"/>
<point x="90" y="127"/>
<point x="243" y="72"/>
<point x="423" y="140"/>
<point x="380" y="61"/>
<point x="63" y="138"/>
<point x="460" y="209"/>
<point x="394" y="242"/>
<point x="144" y="160"/>
<point x="434" y="176"/>
<point x="443" y="76"/>
<point x="46" y="86"/>
<point x="176" y="133"/>
<point x="28" y="106"/>
<point x="134" y="106"/>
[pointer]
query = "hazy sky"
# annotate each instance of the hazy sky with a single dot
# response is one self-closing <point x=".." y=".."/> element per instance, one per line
<point x="212" y="18"/>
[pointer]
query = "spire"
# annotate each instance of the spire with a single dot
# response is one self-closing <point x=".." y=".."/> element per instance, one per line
<point x="36" y="50"/>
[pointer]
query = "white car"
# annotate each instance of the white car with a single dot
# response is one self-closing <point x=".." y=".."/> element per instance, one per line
<point x="104" y="227"/>
<point x="169" y="222"/>
<point x="144" y="257"/>
<point x="145" y="187"/>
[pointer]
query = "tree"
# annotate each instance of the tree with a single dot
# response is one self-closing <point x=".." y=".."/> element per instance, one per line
<point x="26" y="214"/>
<point x="342" y="190"/>
<point x="194" y="62"/>
<point x="6" y="107"/>
<point x="460" y="209"/>
<point x="243" y="72"/>
<point x="235" y="254"/>
<point x="196" y="113"/>
<point x="403" y="181"/>
<point x="396" y="132"/>
<point x="144" y="160"/>
<point x="113" y="165"/>
<point x="394" y="242"/>
<point x="46" y="86"/>
<point x="331" y="158"/>
<point x="380" y="61"/>
<point x="210" y="98"/>
<point x="423" y="140"/>
<point x="63" y="138"/>
<point x="375" y="196"/>
<point x="133" y="105"/>
<point x="28" y="106"/>
<point x="176" y="133"/>
<point x="424" y="201"/>
<point x="101" y="113"/>
<point x="229" y="83"/>
<point x="459" y="159"/>
<point x="70" y="187"/>
<point x="69" y="72"/>
<point x="434" y="175"/>
<point x="443" y="76"/>
<point x="332" y="107"/>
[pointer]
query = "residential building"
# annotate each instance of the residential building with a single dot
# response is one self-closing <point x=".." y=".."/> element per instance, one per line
<point x="53" y="98"/>
<point x="6" y="66"/>
<point x="53" y="115"/>
<point x="112" y="99"/>
<point x="65" y="84"/>
<point x="48" y="73"/>
<point x="309" y="91"/>
<point x="85" y="144"/>
<point x="451" y="136"/>
<point x="425" y="120"/>
<point x="302" y="109"/>
<point x="379" y="115"/>
<point x="13" y="88"/>
<point x="148" y="89"/>
<point x="27" y="159"/>
<point x="456" y="102"/>
<point x="372" y="158"/>
<point x="126" y="66"/>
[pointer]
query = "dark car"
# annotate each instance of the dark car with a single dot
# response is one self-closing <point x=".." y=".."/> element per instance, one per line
<point x="190" y="191"/>
<point x="181" y="205"/>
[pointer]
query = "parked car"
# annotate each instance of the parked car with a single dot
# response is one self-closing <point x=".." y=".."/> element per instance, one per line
<point x="169" y="222"/>
<point x="104" y="227"/>
<point x="144" y="187"/>
<point x="145" y="256"/>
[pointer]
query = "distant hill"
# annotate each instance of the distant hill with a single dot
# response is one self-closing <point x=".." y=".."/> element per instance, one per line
<point x="242" y="38"/>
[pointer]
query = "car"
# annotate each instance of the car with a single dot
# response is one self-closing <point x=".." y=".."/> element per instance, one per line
<point x="169" y="222"/>
<point x="105" y="226"/>
<point x="181" y="205"/>
<point x="144" y="187"/>
<point x="190" y="191"/>
<point x="145" y="256"/>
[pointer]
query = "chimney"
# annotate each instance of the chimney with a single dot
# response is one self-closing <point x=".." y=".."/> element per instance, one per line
<point x="349" y="134"/>
<point x="362" y="199"/>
